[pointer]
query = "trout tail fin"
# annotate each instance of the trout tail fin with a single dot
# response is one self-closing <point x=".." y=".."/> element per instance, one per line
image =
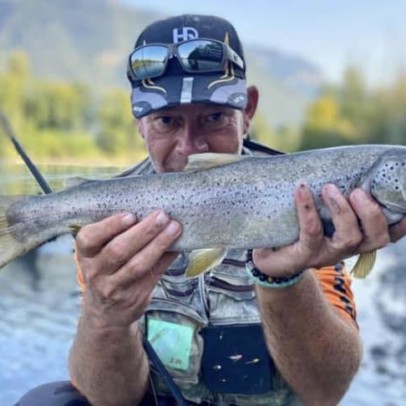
<point x="10" y="247"/>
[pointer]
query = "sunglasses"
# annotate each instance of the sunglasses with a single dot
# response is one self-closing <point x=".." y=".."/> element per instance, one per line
<point x="195" y="56"/>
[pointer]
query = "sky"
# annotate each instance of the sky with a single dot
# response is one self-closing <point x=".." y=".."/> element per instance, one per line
<point x="370" y="34"/>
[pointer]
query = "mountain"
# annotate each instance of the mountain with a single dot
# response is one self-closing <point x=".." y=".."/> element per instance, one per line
<point x="88" y="41"/>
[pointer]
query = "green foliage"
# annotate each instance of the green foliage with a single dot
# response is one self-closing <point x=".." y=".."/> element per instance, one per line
<point x="117" y="131"/>
<point x="284" y="138"/>
<point x="52" y="145"/>
<point x="58" y="105"/>
<point x="353" y="113"/>
<point x="61" y="120"/>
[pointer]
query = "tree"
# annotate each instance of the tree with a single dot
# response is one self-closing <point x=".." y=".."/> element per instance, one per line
<point x="117" y="133"/>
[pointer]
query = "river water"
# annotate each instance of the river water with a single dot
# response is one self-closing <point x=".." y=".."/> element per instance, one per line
<point x="39" y="310"/>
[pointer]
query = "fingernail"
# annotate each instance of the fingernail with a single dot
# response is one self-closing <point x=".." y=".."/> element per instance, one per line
<point x="173" y="228"/>
<point x="162" y="219"/>
<point x="128" y="219"/>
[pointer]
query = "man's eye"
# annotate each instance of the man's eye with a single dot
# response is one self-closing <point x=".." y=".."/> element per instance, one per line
<point x="166" y="120"/>
<point x="165" y="123"/>
<point x="215" y="117"/>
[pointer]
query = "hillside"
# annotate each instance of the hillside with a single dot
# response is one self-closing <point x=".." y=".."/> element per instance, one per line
<point x="88" y="41"/>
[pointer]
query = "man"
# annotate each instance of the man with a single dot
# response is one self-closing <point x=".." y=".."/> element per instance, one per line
<point x="227" y="337"/>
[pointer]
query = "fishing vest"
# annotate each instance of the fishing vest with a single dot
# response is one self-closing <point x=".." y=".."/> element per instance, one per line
<point x="207" y="332"/>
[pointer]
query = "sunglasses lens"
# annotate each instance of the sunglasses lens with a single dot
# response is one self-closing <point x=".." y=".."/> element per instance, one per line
<point x="201" y="55"/>
<point x="149" y="61"/>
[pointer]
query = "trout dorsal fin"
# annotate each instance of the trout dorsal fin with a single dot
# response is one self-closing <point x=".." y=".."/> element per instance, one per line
<point x="197" y="162"/>
<point x="77" y="181"/>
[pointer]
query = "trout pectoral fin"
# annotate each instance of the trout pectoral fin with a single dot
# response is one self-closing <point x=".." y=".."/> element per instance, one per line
<point x="197" y="162"/>
<point x="364" y="265"/>
<point x="204" y="260"/>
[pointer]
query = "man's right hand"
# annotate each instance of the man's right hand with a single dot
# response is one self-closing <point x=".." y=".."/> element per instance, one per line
<point x="122" y="260"/>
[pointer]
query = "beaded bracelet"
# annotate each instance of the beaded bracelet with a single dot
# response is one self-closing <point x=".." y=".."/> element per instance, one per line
<point x="270" y="281"/>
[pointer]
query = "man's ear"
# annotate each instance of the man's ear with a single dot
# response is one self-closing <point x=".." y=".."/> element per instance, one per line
<point x="250" y="109"/>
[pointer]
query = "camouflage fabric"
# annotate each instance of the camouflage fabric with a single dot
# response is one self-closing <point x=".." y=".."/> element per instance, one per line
<point x="225" y="296"/>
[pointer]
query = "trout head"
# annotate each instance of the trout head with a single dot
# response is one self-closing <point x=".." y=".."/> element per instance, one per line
<point x="386" y="181"/>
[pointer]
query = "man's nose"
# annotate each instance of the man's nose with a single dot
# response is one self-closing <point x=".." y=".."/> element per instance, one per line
<point x="191" y="141"/>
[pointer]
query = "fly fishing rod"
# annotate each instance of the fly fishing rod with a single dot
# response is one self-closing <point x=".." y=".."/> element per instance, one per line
<point x="46" y="188"/>
<point x="20" y="150"/>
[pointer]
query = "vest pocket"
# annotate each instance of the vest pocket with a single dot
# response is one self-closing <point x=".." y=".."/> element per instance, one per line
<point x="232" y="304"/>
<point x="174" y="332"/>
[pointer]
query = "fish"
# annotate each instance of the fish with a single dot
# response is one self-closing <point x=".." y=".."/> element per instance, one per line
<point x="223" y="201"/>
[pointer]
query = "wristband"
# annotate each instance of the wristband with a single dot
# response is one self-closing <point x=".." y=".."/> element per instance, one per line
<point x="267" y="281"/>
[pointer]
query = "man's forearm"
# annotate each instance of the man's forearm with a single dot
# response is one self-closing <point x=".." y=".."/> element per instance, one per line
<point x="109" y="365"/>
<point x="316" y="350"/>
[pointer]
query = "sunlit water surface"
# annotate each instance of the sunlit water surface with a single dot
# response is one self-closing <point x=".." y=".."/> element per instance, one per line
<point x="39" y="312"/>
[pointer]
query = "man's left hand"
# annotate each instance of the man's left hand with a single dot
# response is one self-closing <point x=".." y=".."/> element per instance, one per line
<point x="360" y="227"/>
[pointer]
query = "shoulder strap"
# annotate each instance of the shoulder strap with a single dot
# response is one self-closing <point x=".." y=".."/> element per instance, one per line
<point x="166" y="377"/>
<point x="255" y="146"/>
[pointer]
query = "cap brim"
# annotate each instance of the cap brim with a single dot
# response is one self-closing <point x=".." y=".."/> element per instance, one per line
<point x="149" y="96"/>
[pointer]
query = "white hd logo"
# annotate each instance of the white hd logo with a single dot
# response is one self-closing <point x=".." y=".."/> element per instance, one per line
<point x="184" y="34"/>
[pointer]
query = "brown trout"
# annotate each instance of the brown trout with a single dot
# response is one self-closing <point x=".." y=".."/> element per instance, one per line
<point x="222" y="201"/>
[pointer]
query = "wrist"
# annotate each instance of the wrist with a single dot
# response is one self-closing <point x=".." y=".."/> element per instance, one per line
<point x="267" y="281"/>
<point x="105" y="323"/>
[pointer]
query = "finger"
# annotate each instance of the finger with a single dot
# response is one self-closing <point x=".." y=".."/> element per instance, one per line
<point x="373" y="221"/>
<point x="347" y="235"/>
<point x="310" y="226"/>
<point x="123" y="247"/>
<point x="153" y="260"/>
<point x="92" y="238"/>
<point x="149" y="256"/>
<point x="292" y="258"/>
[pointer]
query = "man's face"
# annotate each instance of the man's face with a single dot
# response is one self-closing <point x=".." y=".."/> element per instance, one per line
<point x="172" y="134"/>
